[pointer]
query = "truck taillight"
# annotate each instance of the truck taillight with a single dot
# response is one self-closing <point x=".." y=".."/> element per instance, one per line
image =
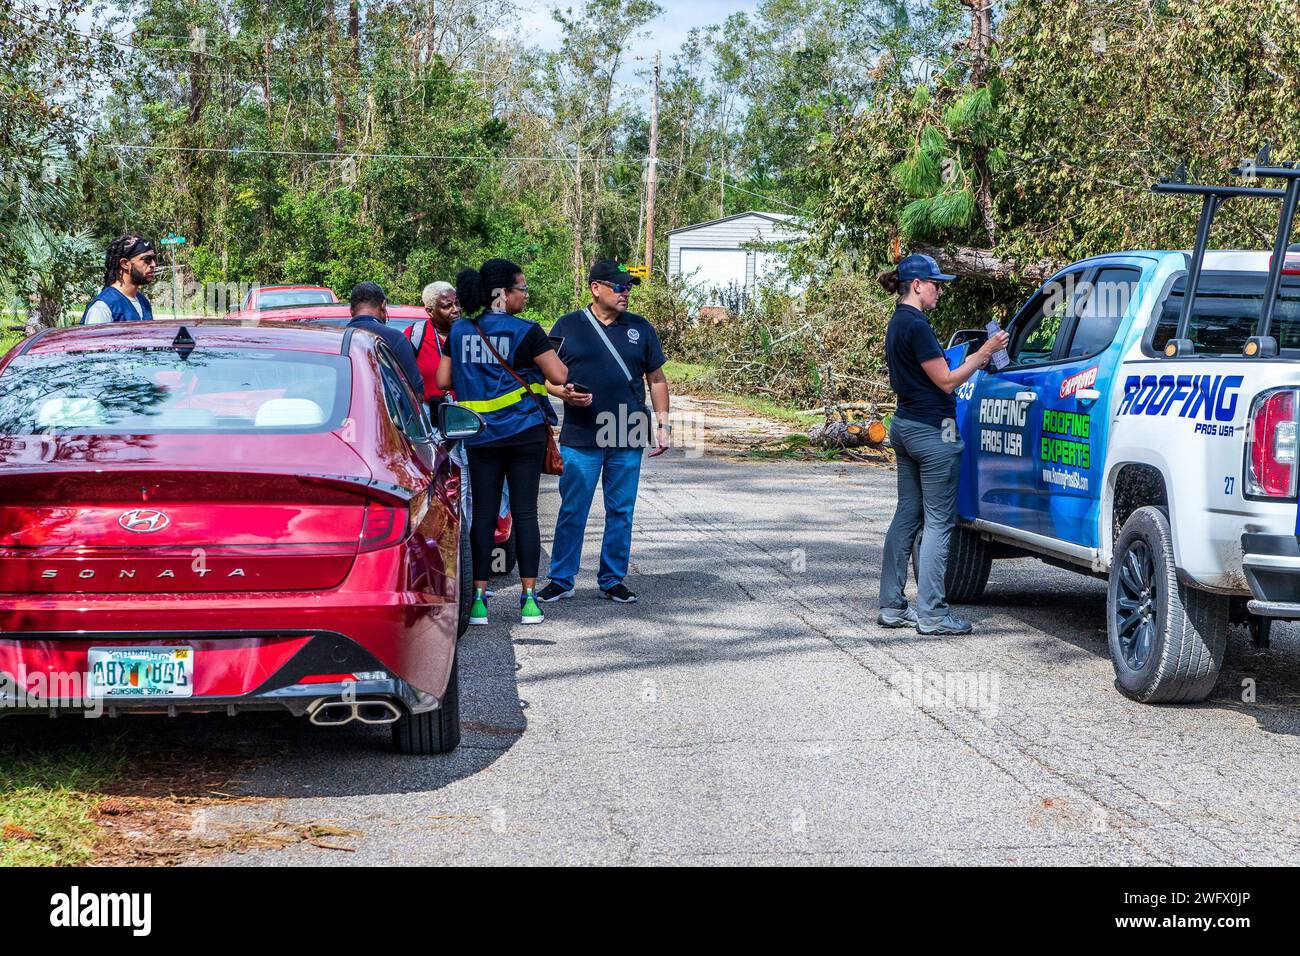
<point x="1271" y="463"/>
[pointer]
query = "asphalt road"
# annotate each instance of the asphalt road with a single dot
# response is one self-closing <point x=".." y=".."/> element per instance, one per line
<point x="749" y="710"/>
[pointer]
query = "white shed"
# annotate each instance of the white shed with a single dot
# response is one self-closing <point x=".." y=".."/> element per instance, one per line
<point x="730" y="251"/>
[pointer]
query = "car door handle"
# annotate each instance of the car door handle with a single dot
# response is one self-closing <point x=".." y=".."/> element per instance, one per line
<point x="1086" y="396"/>
<point x="1026" y="397"/>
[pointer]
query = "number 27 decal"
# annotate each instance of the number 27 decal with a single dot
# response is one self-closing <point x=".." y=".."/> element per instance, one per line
<point x="1228" y="483"/>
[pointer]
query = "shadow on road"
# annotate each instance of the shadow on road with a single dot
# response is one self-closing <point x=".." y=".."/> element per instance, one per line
<point x="1264" y="685"/>
<point x="287" y="756"/>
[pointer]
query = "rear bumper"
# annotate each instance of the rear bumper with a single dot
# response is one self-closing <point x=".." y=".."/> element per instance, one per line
<point x="1271" y="563"/>
<point x="46" y="673"/>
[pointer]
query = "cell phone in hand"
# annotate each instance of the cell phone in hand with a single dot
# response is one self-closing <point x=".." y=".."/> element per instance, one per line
<point x="580" y="389"/>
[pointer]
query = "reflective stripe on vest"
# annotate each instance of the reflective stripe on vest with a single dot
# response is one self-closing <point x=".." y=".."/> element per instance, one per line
<point x="506" y="400"/>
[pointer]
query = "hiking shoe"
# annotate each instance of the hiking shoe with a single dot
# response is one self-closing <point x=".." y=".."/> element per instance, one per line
<point x="553" y="592"/>
<point x="619" y="593"/>
<point x="897" y="617"/>
<point x="478" y="613"/>
<point x="948" y="624"/>
<point x="529" y="612"/>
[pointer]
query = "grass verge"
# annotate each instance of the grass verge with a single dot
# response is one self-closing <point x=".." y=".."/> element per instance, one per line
<point x="77" y="792"/>
<point x="49" y="803"/>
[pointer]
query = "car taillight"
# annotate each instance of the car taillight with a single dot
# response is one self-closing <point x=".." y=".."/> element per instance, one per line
<point x="384" y="526"/>
<point x="1271" y="470"/>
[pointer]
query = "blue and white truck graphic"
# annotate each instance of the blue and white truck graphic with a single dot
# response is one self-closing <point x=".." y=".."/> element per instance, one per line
<point x="1146" y="431"/>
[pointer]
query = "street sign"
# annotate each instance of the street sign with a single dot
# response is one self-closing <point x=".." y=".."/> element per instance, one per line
<point x="641" y="272"/>
<point x="171" y="240"/>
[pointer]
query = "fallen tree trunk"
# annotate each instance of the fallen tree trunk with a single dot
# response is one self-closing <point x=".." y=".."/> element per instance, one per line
<point x="848" y="434"/>
<point x="873" y="407"/>
<point x="986" y="264"/>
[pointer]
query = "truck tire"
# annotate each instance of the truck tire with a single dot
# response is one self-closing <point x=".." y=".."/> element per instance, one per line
<point x="970" y="558"/>
<point x="1167" y="639"/>
<point x="434" y="731"/>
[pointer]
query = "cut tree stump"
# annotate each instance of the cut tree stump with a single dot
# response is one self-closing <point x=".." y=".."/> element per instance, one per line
<point x="848" y="434"/>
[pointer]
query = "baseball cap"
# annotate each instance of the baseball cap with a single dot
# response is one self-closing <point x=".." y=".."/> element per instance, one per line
<point x="611" y="270"/>
<point x="918" y="266"/>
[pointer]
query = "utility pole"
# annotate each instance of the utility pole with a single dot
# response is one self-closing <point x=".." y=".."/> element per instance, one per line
<point x="652" y="171"/>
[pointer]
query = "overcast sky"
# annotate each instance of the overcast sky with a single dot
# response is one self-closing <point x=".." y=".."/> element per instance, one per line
<point x="666" y="34"/>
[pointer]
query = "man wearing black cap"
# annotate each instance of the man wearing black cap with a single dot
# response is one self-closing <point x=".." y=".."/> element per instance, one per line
<point x="610" y="353"/>
<point x="370" y="313"/>
<point x="130" y="264"/>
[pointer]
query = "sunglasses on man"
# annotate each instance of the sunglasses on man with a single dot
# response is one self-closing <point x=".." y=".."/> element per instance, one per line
<point x="618" y="287"/>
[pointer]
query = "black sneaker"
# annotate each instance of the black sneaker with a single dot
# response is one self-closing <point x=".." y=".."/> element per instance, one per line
<point x="620" y="593"/>
<point x="553" y="592"/>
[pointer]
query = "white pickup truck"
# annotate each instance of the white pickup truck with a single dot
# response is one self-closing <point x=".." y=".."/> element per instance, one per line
<point x="1148" y="435"/>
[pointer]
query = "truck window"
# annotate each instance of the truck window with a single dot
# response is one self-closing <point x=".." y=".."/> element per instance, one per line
<point x="1036" y="333"/>
<point x="1225" y="312"/>
<point x="1102" y="305"/>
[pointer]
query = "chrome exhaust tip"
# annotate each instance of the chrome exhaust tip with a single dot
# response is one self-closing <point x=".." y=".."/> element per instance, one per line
<point x="331" y="713"/>
<point x="376" y="712"/>
<point x="337" y="712"/>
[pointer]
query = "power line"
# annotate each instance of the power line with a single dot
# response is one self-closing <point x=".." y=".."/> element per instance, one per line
<point x="238" y="150"/>
<point x="733" y="186"/>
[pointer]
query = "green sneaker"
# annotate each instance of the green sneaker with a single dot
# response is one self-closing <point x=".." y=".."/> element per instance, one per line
<point x="529" y="612"/>
<point x="478" y="613"/>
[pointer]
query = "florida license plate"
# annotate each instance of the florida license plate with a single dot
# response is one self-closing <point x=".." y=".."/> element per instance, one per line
<point x="141" y="672"/>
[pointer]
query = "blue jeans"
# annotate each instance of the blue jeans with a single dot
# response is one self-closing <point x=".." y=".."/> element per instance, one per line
<point x="619" y="472"/>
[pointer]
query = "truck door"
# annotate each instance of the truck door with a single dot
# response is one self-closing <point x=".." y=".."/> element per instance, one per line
<point x="1071" y="413"/>
<point x="1003" y="422"/>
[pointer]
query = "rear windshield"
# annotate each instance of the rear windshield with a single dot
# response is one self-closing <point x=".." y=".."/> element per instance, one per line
<point x="1226" y="309"/>
<point x="148" y="391"/>
<point x="289" y="298"/>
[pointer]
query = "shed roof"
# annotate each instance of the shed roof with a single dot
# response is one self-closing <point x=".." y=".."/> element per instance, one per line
<point x="781" y="218"/>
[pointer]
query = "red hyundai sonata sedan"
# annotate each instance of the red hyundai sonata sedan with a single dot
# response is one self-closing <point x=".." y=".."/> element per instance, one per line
<point x="224" y="518"/>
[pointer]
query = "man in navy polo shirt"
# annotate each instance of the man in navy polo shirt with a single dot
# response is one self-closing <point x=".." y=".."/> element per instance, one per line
<point x="610" y="353"/>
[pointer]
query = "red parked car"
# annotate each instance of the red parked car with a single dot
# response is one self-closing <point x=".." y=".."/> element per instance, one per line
<point x="224" y="518"/>
<point x="286" y="296"/>
<point x="400" y="317"/>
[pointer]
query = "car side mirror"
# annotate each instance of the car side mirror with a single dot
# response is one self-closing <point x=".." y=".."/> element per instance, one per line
<point x="976" y="337"/>
<point x="457" y="421"/>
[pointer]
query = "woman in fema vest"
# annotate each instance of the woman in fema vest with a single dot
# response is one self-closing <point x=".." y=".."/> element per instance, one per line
<point x="925" y="439"/>
<point x="516" y="414"/>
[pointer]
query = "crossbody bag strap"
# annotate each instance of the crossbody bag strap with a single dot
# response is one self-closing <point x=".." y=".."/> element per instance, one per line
<point x="600" y="333"/>
<point x="631" y="382"/>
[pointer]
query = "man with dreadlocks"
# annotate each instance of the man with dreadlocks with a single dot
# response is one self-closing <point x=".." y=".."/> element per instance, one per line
<point x="129" y="266"/>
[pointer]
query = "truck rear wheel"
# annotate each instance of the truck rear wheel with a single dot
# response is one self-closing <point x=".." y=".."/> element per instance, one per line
<point x="1167" y="639"/>
<point x="970" y="558"/>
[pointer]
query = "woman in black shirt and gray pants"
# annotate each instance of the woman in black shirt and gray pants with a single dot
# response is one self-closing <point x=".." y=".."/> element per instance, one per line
<point x="925" y="438"/>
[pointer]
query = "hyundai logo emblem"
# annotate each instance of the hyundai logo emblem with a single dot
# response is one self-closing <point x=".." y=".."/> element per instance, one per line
<point x="143" y="520"/>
